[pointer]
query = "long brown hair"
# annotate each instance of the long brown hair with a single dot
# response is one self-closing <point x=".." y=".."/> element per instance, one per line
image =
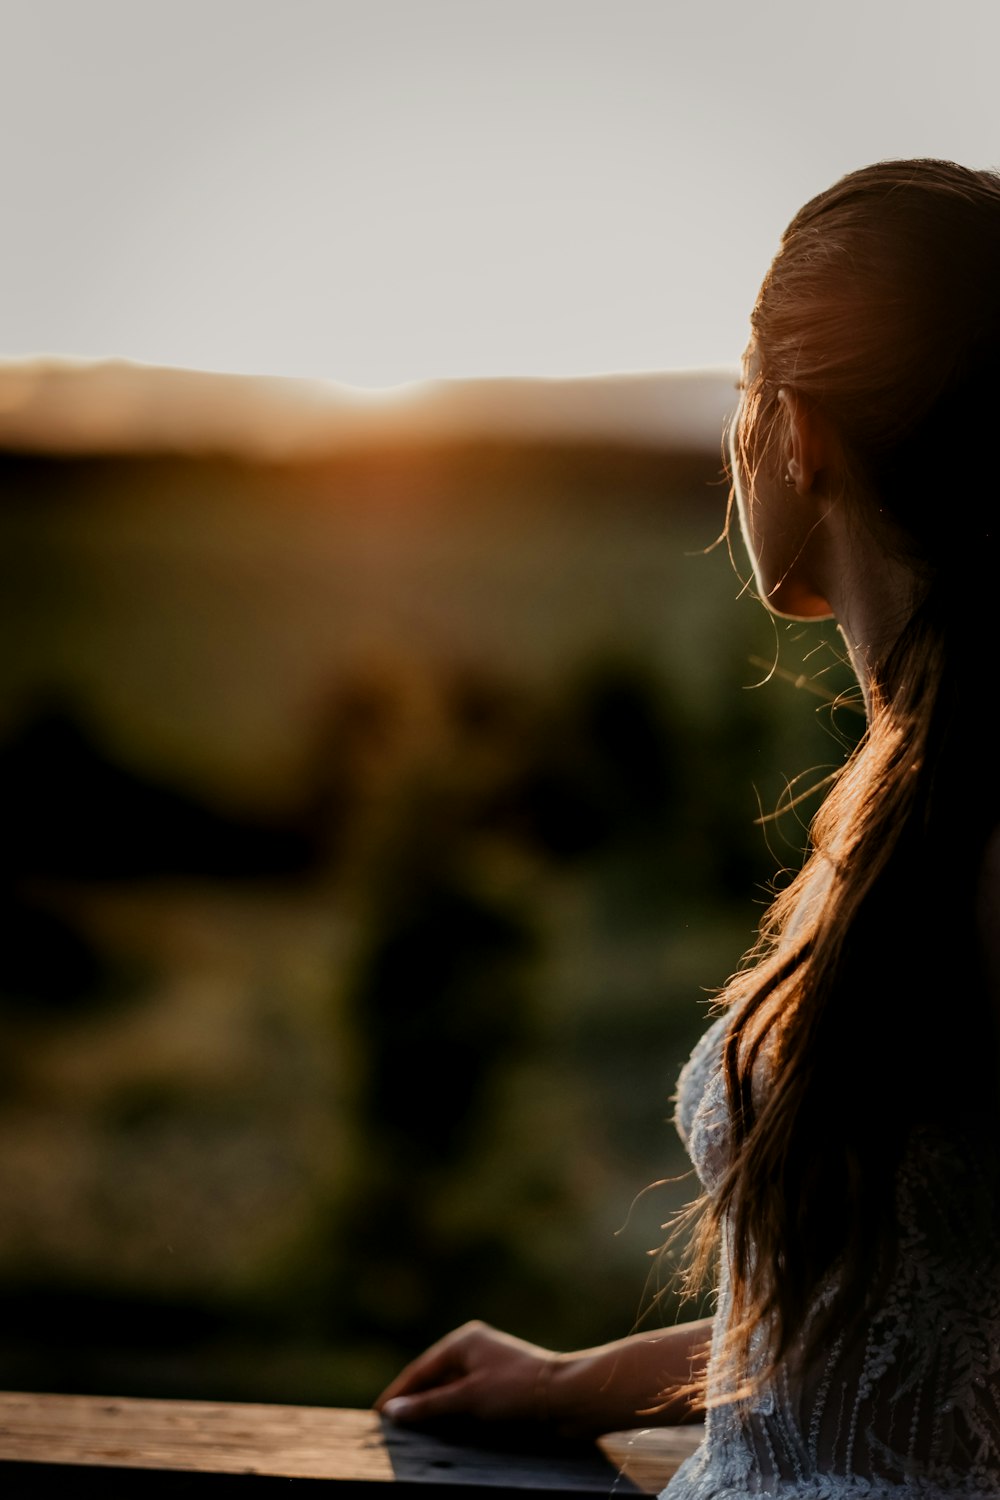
<point x="882" y="309"/>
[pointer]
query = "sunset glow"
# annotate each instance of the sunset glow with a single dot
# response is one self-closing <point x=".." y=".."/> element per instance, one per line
<point x="379" y="192"/>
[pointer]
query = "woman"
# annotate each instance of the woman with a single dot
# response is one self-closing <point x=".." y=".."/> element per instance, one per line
<point x="842" y="1111"/>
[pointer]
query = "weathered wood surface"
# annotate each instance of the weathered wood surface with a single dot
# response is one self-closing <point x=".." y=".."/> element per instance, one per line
<point x="652" y="1455"/>
<point x="88" y="1442"/>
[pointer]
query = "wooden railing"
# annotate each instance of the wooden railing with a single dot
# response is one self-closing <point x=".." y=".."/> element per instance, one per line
<point x="81" y="1446"/>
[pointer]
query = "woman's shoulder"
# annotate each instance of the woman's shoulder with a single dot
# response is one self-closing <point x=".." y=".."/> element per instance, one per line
<point x="702" y="1116"/>
<point x="696" y="1074"/>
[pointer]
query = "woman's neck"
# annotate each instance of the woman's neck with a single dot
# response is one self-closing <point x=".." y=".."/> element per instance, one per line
<point x="872" y="592"/>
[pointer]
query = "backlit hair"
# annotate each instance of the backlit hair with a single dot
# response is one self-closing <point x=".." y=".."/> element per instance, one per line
<point x="881" y="309"/>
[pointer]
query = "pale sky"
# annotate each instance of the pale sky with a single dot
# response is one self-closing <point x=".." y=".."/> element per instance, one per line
<point x="383" y="190"/>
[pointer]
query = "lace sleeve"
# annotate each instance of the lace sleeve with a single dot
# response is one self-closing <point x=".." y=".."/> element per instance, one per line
<point x="702" y="1116"/>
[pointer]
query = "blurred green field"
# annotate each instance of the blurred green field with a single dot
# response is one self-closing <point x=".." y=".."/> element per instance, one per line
<point x="376" y="833"/>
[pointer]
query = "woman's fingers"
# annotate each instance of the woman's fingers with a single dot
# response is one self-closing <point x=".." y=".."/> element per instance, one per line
<point x="435" y="1366"/>
<point x="441" y="1401"/>
<point x="442" y="1365"/>
<point x="474" y="1372"/>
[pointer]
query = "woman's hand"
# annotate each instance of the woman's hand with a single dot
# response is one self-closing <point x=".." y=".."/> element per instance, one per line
<point x="474" y="1372"/>
<point x="487" y="1376"/>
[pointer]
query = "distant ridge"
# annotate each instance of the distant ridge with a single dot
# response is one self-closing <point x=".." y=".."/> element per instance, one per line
<point x="79" y="407"/>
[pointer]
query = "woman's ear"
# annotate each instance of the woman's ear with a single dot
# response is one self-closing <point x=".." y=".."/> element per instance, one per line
<point x="808" y="445"/>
